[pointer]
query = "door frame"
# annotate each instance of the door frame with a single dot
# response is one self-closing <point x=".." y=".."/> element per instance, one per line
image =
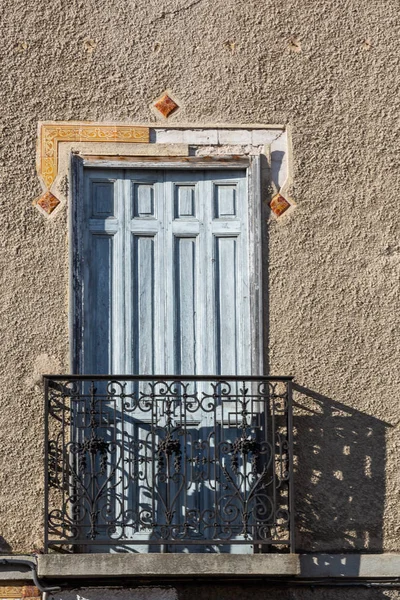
<point x="255" y="173"/>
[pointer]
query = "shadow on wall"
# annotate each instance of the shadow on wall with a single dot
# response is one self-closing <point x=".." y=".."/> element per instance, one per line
<point x="5" y="547"/>
<point x="339" y="477"/>
<point x="277" y="158"/>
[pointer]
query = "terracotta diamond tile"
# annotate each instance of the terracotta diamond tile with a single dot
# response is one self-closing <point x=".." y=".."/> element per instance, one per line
<point x="48" y="202"/>
<point x="165" y="105"/>
<point x="279" y="205"/>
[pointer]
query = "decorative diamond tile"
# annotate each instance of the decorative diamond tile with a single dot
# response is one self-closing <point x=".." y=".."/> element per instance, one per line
<point x="48" y="202"/>
<point x="165" y="105"/>
<point x="279" y="205"/>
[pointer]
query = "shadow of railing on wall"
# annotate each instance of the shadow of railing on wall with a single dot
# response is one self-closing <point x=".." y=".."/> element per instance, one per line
<point x="340" y="456"/>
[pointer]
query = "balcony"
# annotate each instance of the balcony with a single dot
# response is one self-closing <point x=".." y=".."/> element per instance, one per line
<point x="168" y="464"/>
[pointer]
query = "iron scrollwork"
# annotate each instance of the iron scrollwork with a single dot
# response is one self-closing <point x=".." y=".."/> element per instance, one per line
<point x="190" y="462"/>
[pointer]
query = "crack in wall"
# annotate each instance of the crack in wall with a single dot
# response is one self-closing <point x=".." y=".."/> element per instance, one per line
<point x="170" y="13"/>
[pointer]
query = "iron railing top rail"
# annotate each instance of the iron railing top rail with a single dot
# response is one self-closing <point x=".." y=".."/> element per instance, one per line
<point x="170" y="377"/>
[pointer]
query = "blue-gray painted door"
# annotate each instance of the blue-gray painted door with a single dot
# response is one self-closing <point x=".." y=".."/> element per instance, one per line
<point x="166" y="273"/>
<point x="165" y="282"/>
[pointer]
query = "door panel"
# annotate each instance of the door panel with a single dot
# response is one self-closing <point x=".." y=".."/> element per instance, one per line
<point x="143" y="305"/>
<point x="185" y="261"/>
<point x="225" y="304"/>
<point x="102" y="258"/>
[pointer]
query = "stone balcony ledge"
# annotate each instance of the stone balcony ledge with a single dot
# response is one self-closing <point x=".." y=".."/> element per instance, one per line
<point x="153" y="566"/>
<point x="144" y="566"/>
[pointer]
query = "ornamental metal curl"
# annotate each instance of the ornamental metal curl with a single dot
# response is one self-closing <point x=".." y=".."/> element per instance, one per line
<point x="191" y="463"/>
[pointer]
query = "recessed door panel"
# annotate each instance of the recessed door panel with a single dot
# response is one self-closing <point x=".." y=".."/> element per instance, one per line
<point x="226" y="300"/>
<point x="143" y="304"/>
<point x="185" y="263"/>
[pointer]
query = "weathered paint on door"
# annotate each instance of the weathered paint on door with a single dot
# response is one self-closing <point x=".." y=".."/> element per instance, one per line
<point x="165" y="287"/>
<point x="166" y="273"/>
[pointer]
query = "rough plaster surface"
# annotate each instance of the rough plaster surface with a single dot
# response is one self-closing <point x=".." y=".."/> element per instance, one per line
<point x="330" y="69"/>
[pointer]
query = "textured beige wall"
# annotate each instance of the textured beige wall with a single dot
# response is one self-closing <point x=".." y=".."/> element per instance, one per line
<point x="333" y="264"/>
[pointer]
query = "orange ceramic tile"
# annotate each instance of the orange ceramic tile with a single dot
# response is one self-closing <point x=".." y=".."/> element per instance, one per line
<point x="166" y="105"/>
<point x="48" y="202"/>
<point x="279" y="205"/>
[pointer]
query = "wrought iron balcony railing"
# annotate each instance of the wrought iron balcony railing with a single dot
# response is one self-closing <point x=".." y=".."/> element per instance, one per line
<point x="169" y="463"/>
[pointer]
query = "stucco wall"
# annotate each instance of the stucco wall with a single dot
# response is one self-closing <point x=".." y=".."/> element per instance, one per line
<point x="333" y="299"/>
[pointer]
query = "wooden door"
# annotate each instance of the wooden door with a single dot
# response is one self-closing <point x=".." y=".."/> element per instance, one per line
<point x="166" y="273"/>
<point x="165" y="285"/>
